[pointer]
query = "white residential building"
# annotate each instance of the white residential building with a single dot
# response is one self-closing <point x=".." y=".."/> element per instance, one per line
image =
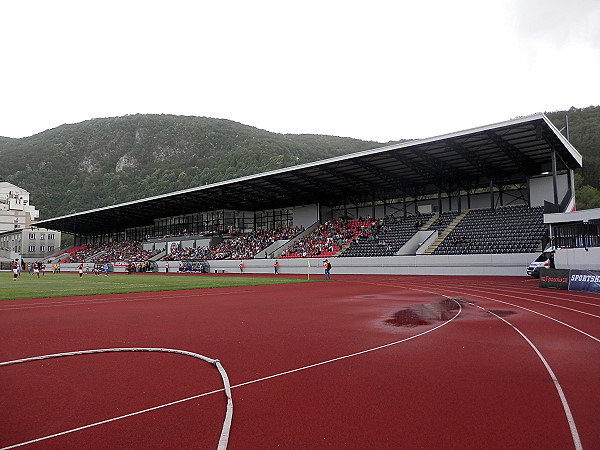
<point x="15" y="209"/>
<point x="19" y="237"/>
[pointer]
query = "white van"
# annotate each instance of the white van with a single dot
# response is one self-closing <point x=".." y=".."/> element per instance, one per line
<point x="545" y="260"/>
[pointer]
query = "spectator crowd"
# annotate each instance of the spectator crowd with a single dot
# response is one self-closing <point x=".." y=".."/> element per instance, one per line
<point x="112" y="251"/>
<point x="240" y="247"/>
<point x="325" y="240"/>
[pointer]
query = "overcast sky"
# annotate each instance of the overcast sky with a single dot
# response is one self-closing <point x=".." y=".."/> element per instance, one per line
<point x="376" y="70"/>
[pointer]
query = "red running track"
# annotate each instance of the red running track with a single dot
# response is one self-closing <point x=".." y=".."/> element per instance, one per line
<point x="480" y="362"/>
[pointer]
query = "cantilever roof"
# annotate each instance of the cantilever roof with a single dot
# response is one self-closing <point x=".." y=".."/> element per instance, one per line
<point x="506" y="153"/>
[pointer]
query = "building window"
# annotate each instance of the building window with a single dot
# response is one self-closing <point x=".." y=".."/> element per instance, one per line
<point x="50" y="236"/>
<point x="42" y="236"/>
<point x="51" y="248"/>
<point x="32" y="248"/>
<point x="31" y="235"/>
<point x="41" y="248"/>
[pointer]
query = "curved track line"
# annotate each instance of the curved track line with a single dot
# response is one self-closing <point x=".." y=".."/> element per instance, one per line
<point x="561" y="394"/>
<point x="224" y="437"/>
<point x="563" y="399"/>
<point x="536" y="294"/>
<point x="154" y="408"/>
<point x="501" y="293"/>
<point x="354" y="354"/>
<point x="488" y="298"/>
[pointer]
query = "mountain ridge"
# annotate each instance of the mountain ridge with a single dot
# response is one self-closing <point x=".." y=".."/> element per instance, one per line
<point x="105" y="161"/>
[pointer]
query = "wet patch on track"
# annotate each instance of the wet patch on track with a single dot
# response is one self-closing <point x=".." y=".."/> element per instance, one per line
<point x="424" y="314"/>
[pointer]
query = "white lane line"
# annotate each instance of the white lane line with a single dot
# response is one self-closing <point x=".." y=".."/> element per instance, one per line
<point x="154" y="408"/>
<point x="493" y="289"/>
<point x="563" y="399"/>
<point x="406" y="286"/>
<point x="501" y="293"/>
<point x="224" y="437"/>
<point x="351" y="355"/>
<point x="561" y="394"/>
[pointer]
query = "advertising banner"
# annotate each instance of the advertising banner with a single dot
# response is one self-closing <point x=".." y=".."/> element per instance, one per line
<point x="584" y="280"/>
<point x="554" y="278"/>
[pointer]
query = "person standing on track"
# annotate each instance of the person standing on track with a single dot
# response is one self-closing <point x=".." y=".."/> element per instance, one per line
<point x="241" y="266"/>
<point x="276" y="267"/>
<point x="327" y="268"/>
<point x="167" y="267"/>
<point x="80" y="269"/>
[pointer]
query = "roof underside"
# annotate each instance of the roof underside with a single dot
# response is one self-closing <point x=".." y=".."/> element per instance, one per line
<point x="506" y="153"/>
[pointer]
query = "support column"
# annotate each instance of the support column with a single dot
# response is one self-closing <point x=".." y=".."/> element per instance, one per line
<point x="554" y="177"/>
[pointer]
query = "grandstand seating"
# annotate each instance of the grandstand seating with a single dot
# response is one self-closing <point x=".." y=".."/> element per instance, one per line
<point x="385" y="237"/>
<point x="509" y="229"/>
<point x="111" y="251"/>
<point x="239" y="247"/>
<point x="443" y="220"/>
<point x="325" y="241"/>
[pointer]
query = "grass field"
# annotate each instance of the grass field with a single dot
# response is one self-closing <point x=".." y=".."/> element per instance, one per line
<point x="69" y="284"/>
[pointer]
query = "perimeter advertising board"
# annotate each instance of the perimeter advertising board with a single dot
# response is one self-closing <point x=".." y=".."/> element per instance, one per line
<point x="573" y="280"/>
<point x="584" y="280"/>
<point x="554" y="278"/>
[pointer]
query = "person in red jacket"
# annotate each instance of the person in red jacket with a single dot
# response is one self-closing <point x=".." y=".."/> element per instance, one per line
<point x="276" y="267"/>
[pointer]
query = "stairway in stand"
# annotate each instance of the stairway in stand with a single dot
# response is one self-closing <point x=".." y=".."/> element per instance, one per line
<point x="445" y="233"/>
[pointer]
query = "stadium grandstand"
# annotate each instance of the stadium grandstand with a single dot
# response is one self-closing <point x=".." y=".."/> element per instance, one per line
<point x="470" y="202"/>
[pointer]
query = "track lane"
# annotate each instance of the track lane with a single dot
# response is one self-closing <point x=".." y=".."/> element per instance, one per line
<point x="471" y="383"/>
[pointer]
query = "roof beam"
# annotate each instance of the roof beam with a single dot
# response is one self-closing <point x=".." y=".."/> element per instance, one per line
<point x="518" y="158"/>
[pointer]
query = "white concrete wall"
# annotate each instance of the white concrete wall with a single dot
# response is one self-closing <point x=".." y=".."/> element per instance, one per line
<point x="481" y="265"/>
<point x="577" y="258"/>
<point x="305" y="216"/>
<point x="542" y="189"/>
<point x="508" y="265"/>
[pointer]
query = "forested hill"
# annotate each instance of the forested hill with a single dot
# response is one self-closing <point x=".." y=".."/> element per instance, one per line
<point x="102" y="162"/>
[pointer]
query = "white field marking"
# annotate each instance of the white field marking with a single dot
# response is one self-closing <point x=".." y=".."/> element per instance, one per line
<point x="561" y="394"/>
<point x="405" y="286"/>
<point x="99" y="301"/>
<point x="501" y="293"/>
<point x="353" y="354"/>
<point x="563" y="399"/>
<point x="223" y="439"/>
<point x="537" y="294"/>
<point x="154" y="408"/>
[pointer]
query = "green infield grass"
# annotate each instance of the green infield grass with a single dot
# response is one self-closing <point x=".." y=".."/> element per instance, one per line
<point x="68" y="284"/>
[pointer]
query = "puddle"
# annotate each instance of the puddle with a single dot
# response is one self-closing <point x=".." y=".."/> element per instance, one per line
<point x="424" y="314"/>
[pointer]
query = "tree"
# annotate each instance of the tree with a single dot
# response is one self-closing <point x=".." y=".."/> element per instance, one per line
<point x="586" y="196"/>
